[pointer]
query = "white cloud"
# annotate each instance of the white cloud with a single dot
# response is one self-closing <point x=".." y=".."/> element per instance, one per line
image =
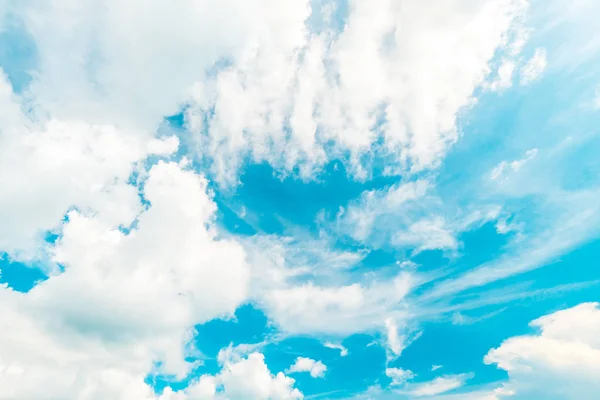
<point x="364" y="214"/>
<point x="239" y="378"/>
<point x="64" y="164"/>
<point x="436" y="367"/>
<point x="292" y="92"/>
<point x="236" y="353"/>
<point x="10" y="114"/>
<point x="438" y="385"/>
<point x="301" y="253"/>
<point x="398" y="375"/>
<point x="562" y="361"/>
<point x="337" y="310"/>
<point x="342" y="349"/>
<point x="123" y="301"/>
<point x="409" y="216"/>
<point x="244" y="378"/>
<point x="311" y="296"/>
<point x="505" y="76"/>
<point x="534" y="67"/>
<point x="303" y="292"/>
<point x="459" y="318"/>
<point x="84" y="166"/>
<point x="396" y="342"/>
<point x="110" y="63"/>
<point x="485" y="393"/>
<point x="308" y="308"/>
<point x="427" y="235"/>
<point x="302" y="364"/>
<point x="505" y="72"/>
<point x="505" y="168"/>
<point x="520" y="36"/>
<point x="505" y="225"/>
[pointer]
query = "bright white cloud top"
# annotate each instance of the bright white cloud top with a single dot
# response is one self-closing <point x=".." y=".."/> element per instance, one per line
<point x="286" y="199"/>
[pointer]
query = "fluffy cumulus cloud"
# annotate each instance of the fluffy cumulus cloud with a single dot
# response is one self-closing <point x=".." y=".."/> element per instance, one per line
<point x="505" y="76"/>
<point x="67" y="164"/>
<point x="316" y="369"/>
<point x="562" y="361"/>
<point x="123" y="300"/>
<point x="240" y="378"/>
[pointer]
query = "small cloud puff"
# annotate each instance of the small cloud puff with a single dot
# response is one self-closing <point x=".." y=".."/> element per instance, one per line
<point x="506" y="167"/>
<point x="399" y="376"/>
<point x="342" y="349"/>
<point x="534" y="67"/>
<point x="439" y="385"/>
<point x="303" y="364"/>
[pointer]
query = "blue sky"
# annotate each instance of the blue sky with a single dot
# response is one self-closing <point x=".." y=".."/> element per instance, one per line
<point x="300" y="199"/>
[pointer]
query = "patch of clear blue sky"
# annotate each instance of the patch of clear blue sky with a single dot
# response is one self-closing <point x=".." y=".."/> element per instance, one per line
<point x="18" y="54"/>
<point x="20" y="277"/>
<point x="327" y="17"/>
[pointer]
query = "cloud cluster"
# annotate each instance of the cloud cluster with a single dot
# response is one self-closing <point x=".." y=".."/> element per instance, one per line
<point x="111" y="62"/>
<point x="562" y="361"/>
<point x="408" y="216"/>
<point x="124" y="301"/>
<point x="337" y="310"/>
<point x="240" y="378"/>
<point x="397" y="73"/>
